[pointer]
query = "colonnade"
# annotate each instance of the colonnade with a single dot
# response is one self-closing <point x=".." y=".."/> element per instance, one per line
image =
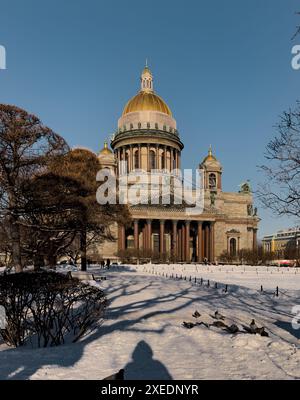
<point x="183" y="240"/>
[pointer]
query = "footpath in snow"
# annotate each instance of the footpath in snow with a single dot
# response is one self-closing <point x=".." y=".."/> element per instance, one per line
<point x="143" y="330"/>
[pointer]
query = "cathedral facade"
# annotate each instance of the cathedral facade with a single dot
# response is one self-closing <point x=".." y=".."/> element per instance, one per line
<point x="147" y="139"/>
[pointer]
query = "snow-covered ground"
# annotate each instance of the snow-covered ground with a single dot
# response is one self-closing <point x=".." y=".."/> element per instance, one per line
<point x="248" y="276"/>
<point x="143" y="333"/>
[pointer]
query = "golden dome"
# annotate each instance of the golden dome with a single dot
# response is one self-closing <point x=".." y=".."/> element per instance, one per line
<point x="105" y="150"/>
<point x="210" y="156"/>
<point x="147" y="101"/>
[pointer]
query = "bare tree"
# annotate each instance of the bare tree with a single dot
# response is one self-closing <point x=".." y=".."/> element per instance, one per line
<point x="281" y="190"/>
<point x="297" y="29"/>
<point x="26" y="145"/>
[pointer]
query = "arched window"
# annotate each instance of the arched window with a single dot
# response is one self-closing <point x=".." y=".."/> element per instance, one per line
<point x="136" y="160"/>
<point x="152" y="159"/>
<point x="127" y="162"/>
<point x="232" y="247"/>
<point x="212" y="181"/>
<point x="163" y="161"/>
<point x="174" y="160"/>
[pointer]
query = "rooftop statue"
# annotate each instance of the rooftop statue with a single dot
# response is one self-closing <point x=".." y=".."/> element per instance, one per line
<point x="245" y="187"/>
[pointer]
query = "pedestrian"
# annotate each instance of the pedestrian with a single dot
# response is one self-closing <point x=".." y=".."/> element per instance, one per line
<point x="108" y="263"/>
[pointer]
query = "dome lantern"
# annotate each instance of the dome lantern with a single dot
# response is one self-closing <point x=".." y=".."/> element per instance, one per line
<point x="146" y="80"/>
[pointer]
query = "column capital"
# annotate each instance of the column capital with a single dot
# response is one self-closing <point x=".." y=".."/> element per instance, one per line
<point x="162" y="222"/>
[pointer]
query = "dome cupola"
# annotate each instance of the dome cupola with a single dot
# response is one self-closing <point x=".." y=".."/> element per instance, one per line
<point x="147" y="99"/>
<point x="147" y="110"/>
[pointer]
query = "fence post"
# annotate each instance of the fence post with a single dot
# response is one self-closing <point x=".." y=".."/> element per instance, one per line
<point x="277" y="291"/>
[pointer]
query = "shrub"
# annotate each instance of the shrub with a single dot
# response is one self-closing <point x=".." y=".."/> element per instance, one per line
<point x="46" y="307"/>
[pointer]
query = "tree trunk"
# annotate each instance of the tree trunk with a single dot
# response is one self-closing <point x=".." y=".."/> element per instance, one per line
<point x="83" y="250"/>
<point x="16" y="245"/>
<point x="51" y="261"/>
<point x="38" y="262"/>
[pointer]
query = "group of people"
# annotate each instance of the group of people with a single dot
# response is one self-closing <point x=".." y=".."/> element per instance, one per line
<point x="107" y="265"/>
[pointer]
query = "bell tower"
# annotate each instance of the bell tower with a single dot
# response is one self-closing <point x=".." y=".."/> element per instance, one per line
<point x="212" y="170"/>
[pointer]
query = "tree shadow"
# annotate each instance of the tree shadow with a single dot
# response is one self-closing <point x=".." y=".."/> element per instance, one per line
<point x="23" y="363"/>
<point x="287" y="326"/>
<point x="129" y="316"/>
<point x="144" y="366"/>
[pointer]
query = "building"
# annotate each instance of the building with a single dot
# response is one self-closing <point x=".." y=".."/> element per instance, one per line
<point x="147" y="138"/>
<point x="282" y="242"/>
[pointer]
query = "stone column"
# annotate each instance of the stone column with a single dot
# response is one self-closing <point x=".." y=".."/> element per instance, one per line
<point x="179" y="248"/>
<point x="162" y="237"/>
<point x="183" y="247"/>
<point x="174" y="239"/>
<point x="212" y="241"/>
<point x="199" y="237"/>
<point x="254" y="239"/>
<point x="157" y="157"/>
<point x="176" y="159"/>
<point x="207" y="242"/>
<point x="136" y="234"/>
<point x="149" y="234"/>
<point x="187" y="241"/>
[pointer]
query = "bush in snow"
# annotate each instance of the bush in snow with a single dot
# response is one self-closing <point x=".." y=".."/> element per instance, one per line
<point x="46" y="307"/>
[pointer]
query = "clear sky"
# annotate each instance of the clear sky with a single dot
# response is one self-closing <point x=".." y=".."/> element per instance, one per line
<point x="223" y="67"/>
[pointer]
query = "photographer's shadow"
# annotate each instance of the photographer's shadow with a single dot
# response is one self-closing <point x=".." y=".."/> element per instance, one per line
<point x="143" y="366"/>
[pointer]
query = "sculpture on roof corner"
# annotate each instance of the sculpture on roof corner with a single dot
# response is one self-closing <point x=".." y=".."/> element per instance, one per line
<point x="245" y="187"/>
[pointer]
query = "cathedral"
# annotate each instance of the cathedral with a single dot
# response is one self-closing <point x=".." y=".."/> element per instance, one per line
<point x="147" y="139"/>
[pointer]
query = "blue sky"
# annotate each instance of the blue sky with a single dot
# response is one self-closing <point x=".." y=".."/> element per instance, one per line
<point x="223" y="67"/>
